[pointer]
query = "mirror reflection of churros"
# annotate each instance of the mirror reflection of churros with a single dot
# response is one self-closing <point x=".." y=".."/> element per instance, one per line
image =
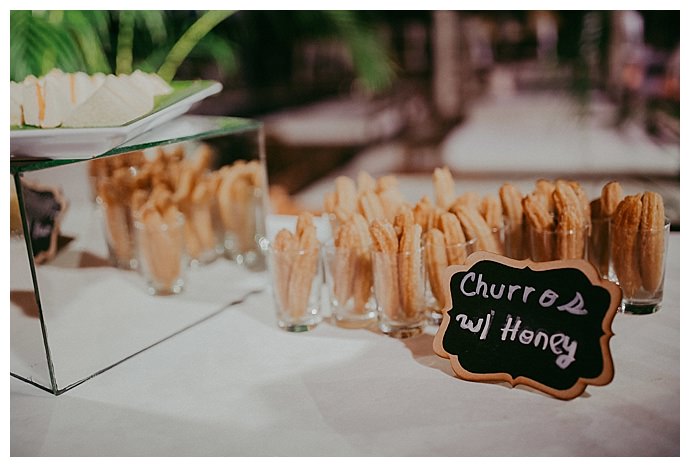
<point x="160" y="240"/>
<point x="211" y="201"/>
<point x="239" y="202"/>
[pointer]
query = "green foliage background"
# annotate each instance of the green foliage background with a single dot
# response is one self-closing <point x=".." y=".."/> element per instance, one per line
<point x="161" y="41"/>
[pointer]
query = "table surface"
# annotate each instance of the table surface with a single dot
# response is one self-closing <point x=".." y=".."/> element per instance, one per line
<point x="236" y="385"/>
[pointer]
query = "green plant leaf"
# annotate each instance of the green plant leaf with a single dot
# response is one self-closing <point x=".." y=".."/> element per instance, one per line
<point x="189" y="40"/>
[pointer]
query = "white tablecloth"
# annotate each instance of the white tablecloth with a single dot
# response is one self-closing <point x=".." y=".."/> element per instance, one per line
<point x="237" y="385"/>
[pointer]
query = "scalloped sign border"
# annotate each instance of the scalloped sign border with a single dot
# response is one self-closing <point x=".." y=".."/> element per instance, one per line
<point x="498" y="352"/>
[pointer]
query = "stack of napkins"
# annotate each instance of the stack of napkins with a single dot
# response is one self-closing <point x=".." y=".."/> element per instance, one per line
<point x="78" y="100"/>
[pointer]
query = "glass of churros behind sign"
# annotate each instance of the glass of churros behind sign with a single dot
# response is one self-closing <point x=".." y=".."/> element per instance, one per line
<point x="559" y="221"/>
<point x="444" y="245"/>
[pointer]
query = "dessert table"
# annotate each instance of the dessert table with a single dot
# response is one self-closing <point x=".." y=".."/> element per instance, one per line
<point x="237" y="385"/>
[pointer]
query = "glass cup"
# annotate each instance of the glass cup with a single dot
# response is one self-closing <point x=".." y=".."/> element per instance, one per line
<point x="552" y="245"/>
<point x="161" y="251"/>
<point x="297" y="279"/>
<point x="598" y="247"/>
<point x="400" y="290"/>
<point x="118" y="229"/>
<point x="515" y="244"/>
<point x="349" y="281"/>
<point x="638" y="259"/>
<point x="436" y="263"/>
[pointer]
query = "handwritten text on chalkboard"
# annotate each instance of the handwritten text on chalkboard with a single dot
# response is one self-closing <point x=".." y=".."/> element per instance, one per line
<point x="546" y="325"/>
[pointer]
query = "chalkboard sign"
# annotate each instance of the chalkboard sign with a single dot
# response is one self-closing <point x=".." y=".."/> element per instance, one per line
<point x="544" y="325"/>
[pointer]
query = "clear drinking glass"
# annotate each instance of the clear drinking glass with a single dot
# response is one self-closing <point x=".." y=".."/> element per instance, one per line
<point x="598" y="247"/>
<point x="400" y="290"/>
<point x="297" y="279"/>
<point x="349" y="281"/>
<point x="435" y="266"/>
<point x="515" y="235"/>
<point x="163" y="260"/>
<point x="638" y="259"/>
<point x="548" y="245"/>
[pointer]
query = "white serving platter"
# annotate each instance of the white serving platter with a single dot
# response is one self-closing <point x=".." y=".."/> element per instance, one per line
<point x="85" y="143"/>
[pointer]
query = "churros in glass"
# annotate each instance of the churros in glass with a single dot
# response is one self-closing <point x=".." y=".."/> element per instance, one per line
<point x="349" y="276"/>
<point x="296" y="272"/>
<point x="638" y="237"/>
<point x="399" y="279"/>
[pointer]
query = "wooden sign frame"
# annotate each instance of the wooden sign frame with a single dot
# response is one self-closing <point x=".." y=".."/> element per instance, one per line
<point x="581" y="383"/>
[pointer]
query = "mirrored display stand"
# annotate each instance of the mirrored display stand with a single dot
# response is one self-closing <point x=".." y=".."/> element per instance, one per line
<point x="94" y="282"/>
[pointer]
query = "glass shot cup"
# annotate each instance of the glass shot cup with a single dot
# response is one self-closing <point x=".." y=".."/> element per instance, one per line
<point x="119" y="232"/>
<point x="297" y="280"/>
<point x="349" y="282"/>
<point x="400" y="291"/>
<point x="436" y="260"/>
<point x="163" y="260"/>
<point x="638" y="259"/>
<point x="552" y="245"/>
<point x="515" y="239"/>
<point x="598" y="247"/>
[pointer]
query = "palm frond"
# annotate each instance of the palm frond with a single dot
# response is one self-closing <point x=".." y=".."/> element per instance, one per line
<point x="189" y="40"/>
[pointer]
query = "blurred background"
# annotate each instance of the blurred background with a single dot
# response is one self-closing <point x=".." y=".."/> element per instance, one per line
<point x="494" y="95"/>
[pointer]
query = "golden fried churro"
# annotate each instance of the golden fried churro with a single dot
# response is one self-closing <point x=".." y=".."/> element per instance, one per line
<point x="611" y="195"/>
<point x="305" y="265"/>
<point x="444" y="187"/>
<point x="404" y="217"/>
<point x="426" y="214"/>
<point x="409" y="270"/>
<point x="652" y="247"/>
<point x="436" y="263"/>
<point x="583" y="202"/>
<point x="365" y="182"/>
<point x="363" y="273"/>
<point x="541" y="222"/>
<point x="392" y="201"/>
<point x="492" y="212"/>
<point x="385" y="267"/>
<point x="469" y="199"/>
<point x="284" y="243"/>
<point x="344" y="264"/>
<point x="370" y="206"/>
<point x="570" y="234"/>
<point x="454" y="238"/>
<point x="511" y="201"/>
<point x="346" y="195"/>
<point x="625" y="245"/>
<point x="545" y="189"/>
<point x="476" y="228"/>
